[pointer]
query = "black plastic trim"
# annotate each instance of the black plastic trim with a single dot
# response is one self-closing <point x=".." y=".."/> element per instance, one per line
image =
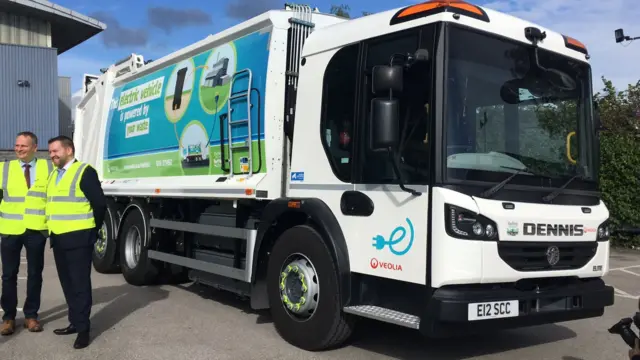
<point x="447" y="311"/>
<point x="328" y="226"/>
<point x="356" y="203"/>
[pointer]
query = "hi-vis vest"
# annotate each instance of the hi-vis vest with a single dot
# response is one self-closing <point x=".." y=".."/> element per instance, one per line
<point x="23" y="208"/>
<point x="67" y="207"/>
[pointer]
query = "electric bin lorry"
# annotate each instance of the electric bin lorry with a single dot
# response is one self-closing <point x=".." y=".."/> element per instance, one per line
<point x="433" y="166"/>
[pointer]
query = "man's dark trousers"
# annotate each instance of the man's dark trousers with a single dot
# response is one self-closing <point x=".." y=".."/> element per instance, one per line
<point x="10" y="249"/>
<point x="72" y="252"/>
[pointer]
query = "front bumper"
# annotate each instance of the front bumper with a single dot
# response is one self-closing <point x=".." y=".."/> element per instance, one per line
<point x="448" y="311"/>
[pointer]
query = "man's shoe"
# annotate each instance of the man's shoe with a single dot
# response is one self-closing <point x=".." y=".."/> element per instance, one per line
<point x="8" y="327"/>
<point x="82" y="340"/>
<point x="32" y="325"/>
<point x="66" y="331"/>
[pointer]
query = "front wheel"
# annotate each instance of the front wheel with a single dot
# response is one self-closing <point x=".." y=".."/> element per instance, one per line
<point x="304" y="292"/>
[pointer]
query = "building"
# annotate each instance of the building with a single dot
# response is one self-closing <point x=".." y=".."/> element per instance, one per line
<point x="32" y="95"/>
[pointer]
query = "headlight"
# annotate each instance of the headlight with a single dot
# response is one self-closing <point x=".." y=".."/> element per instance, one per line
<point x="604" y="231"/>
<point x="465" y="224"/>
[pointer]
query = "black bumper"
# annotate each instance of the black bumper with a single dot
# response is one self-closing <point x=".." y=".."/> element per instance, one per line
<point x="448" y="309"/>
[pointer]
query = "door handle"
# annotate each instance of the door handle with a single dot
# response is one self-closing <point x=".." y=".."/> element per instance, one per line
<point x="356" y="203"/>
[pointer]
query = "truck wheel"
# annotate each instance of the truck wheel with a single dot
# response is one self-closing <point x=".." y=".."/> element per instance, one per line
<point x="137" y="268"/>
<point x="304" y="296"/>
<point x="105" y="249"/>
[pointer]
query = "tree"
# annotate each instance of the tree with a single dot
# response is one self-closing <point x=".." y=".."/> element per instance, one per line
<point x="620" y="156"/>
<point x="344" y="11"/>
<point x="341" y="11"/>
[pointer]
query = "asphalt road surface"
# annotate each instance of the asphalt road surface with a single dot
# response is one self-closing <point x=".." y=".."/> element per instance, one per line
<point x="194" y="322"/>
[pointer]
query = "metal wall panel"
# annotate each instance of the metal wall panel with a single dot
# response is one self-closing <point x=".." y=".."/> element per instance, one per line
<point x="64" y="106"/>
<point x="33" y="106"/>
<point x="23" y="30"/>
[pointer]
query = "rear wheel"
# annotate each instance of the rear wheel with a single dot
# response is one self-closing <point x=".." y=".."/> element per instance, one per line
<point x="304" y="292"/>
<point x="136" y="266"/>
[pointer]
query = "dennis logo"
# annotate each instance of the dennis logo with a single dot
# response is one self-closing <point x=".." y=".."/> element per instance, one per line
<point x="374" y="263"/>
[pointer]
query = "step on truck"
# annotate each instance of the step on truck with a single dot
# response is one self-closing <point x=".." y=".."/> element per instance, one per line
<point x="433" y="166"/>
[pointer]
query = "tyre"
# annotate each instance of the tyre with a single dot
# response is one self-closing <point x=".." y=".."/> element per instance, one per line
<point x="105" y="250"/>
<point x="304" y="292"/>
<point x="136" y="266"/>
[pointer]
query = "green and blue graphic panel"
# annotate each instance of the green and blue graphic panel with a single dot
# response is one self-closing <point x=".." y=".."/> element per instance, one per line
<point x="168" y="123"/>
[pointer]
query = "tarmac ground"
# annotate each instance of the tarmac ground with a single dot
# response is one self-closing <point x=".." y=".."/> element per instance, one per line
<point x="195" y="322"/>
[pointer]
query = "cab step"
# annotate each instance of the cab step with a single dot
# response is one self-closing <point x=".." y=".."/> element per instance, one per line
<point x="384" y="314"/>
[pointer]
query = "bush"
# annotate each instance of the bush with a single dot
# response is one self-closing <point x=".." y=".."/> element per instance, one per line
<point x="620" y="157"/>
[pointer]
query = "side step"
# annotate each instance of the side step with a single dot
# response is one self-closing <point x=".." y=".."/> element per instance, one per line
<point x="386" y="315"/>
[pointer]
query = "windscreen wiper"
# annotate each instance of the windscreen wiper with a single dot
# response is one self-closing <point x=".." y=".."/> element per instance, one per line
<point x="494" y="189"/>
<point x="559" y="190"/>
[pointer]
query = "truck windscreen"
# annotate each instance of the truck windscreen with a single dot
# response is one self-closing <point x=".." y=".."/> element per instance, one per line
<point x="511" y="107"/>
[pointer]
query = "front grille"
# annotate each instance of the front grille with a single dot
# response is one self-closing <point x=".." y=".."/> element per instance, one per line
<point x="532" y="256"/>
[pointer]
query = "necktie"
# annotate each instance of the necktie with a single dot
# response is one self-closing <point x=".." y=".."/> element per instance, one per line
<point x="60" y="172"/>
<point x="27" y="174"/>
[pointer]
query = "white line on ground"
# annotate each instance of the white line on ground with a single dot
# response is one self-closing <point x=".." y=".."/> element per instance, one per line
<point x="625" y="268"/>
<point x="625" y="294"/>
<point x="629" y="272"/>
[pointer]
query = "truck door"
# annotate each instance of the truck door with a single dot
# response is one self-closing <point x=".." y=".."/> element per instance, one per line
<point x="392" y="231"/>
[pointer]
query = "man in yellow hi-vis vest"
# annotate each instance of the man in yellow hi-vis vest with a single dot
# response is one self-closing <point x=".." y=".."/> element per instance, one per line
<point x="75" y="210"/>
<point x="22" y="224"/>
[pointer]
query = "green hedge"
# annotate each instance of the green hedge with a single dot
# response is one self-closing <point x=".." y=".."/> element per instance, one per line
<point x="620" y="157"/>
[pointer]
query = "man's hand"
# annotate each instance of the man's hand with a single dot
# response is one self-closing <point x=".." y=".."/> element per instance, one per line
<point x="635" y="351"/>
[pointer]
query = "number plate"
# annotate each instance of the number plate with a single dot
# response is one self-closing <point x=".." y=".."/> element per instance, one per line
<point x="493" y="310"/>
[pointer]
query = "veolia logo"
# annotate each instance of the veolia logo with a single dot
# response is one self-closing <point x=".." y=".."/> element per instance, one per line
<point x="384" y="265"/>
<point x="396" y="239"/>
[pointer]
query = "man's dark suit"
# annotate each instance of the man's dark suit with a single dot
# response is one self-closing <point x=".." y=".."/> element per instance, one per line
<point x="72" y="252"/>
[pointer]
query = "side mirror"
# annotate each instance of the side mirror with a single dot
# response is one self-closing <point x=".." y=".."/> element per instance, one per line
<point x="387" y="79"/>
<point x="385" y="125"/>
<point x="385" y="111"/>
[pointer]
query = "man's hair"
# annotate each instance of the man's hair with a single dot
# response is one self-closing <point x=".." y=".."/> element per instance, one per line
<point x="29" y="134"/>
<point x="65" y="141"/>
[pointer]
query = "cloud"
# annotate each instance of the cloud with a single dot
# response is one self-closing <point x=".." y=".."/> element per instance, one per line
<point x="167" y="19"/>
<point x="118" y="36"/>
<point x="246" y="9"/>
<point x="75" y="66"/>
<point x="75" y="100"/>
<point x="593" y="23"/>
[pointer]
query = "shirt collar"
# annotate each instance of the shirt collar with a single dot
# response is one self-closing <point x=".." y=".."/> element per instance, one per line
<point x="66" y="166"/>
<point x="32" y="163"/>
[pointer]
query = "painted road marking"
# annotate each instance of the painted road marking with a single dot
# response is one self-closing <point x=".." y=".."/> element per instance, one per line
<point x="625" y="295"/>
<point x="629" y="272"/>
<point x="625" y="268"/>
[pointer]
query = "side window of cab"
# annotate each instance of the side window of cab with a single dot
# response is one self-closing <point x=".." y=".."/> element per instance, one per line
<point x="338" y="110"/>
